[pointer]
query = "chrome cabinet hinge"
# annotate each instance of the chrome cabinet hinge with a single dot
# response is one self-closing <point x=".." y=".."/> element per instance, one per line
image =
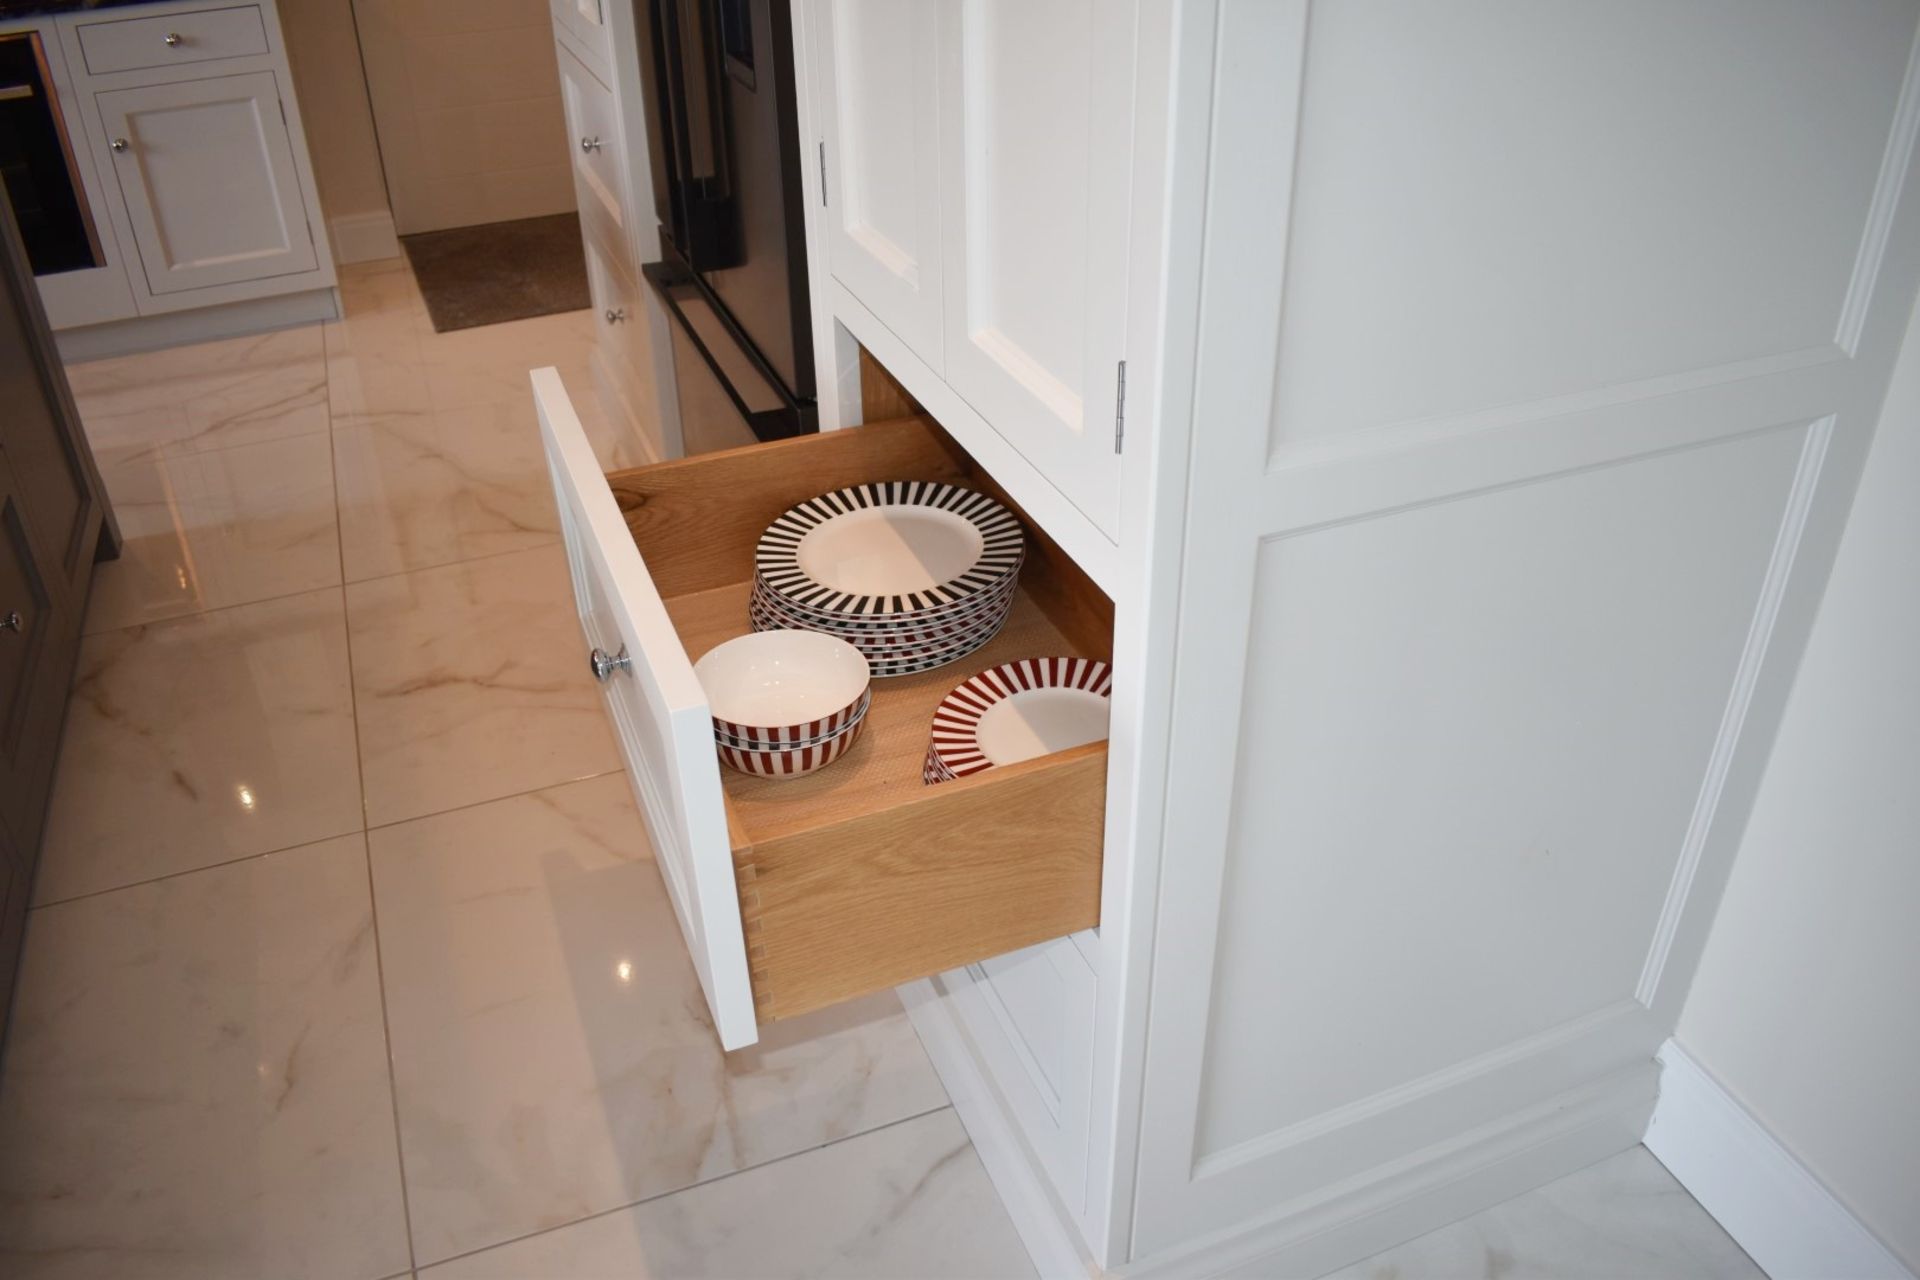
<point x="1120" y="406"/>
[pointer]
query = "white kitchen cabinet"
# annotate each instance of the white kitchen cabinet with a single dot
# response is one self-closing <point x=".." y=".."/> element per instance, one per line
<point x="976" y="157"/>
<point x="1491" y="424"/>
<point x="880" y="155"/>
<point x="187" y="141"/>
<point x="1035" y="156"/>
<point x="596" y="44"/>
<point x="207" y="173"/>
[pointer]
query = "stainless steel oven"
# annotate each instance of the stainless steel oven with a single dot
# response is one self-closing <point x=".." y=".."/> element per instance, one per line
<point x="36" y="158"/>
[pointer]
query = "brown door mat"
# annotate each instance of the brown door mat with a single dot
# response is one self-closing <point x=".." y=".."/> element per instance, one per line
<point x="500" y="271"/>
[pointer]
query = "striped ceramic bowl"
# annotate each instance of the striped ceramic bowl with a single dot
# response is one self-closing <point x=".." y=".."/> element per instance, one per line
<point x="790" y="762"/>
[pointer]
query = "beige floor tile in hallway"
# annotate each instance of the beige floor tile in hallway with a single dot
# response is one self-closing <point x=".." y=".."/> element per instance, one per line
<point x="349" y="959"/>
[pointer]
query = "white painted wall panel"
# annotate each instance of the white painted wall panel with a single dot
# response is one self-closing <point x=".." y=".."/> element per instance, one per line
<point x="1473" y="738"/>
<point x="1502" y="202"/>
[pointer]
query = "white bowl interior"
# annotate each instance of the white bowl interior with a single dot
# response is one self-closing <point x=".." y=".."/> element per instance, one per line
<point x="890" y="551"/>
<point x="778" y="679"/>
<point x="1038" y="722"/>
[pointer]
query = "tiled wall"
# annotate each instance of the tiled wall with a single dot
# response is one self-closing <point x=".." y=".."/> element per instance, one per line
<point x="467" y="102"/>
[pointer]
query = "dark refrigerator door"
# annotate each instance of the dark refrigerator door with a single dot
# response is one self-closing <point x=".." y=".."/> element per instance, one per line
<point x="687" y="135"/>
<point x="728" y="394"/>
<point x="765" y="289"/>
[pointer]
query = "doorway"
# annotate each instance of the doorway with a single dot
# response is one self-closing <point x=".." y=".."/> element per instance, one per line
<point x="466" y="106"/>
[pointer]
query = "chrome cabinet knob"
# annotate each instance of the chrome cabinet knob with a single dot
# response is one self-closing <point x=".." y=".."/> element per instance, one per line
<point x="604" y="665"/>
<point x="173" y="39"/>
<point x="589" y="144"/>
<point x="13" y="621"/>
<point x="616" y="314"/>
<point x="118" y="144"/>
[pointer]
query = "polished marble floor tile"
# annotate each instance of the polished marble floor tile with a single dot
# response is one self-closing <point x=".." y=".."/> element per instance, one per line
<point x="418" y="490"/>
<point x="1625" y="1216"/>
<point x="471" y="683"/>
<point x="212" y="395"/>
<point x="200" y="740"/>
<point x="553" y="1055"/>
<point x="910" y="1200"/>
<point x="489" y="364"/>
<point x="196" y="1082"/>
<point x="205" y="529"/>
<point x="376" y="352"/>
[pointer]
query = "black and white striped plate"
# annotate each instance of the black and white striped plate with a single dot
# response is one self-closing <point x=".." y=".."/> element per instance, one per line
<point x="907" y="662"/>
<point x="874" y="641"/>
<point x="1001" y="546"/>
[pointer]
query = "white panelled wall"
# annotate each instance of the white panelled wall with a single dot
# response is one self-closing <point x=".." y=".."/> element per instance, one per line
<point x="1804" y="1008"/>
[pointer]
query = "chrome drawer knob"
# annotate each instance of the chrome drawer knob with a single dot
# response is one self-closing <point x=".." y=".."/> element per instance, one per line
<point x="12" y="622"/>
<point x="604" y="665"/>
<point x="588" y="145"/>
<point x="118" y="144"/>
<point x="173" y="39"/>
<point x="616" y="314"/>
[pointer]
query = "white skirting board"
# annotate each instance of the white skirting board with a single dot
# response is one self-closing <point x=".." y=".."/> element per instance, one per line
<point x="1388" y="1206"/>
<point x="363" y="237"/>
<point x="1769" y="1202"/>
<point x="204" y="324"/>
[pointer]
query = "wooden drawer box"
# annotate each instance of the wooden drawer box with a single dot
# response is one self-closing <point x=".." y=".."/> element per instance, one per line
<point x="134" y="44"/>
<point x="800" y="893"/>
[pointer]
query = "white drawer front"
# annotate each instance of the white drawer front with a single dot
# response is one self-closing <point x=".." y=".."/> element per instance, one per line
<point x="617" y="304"/>
<point x="586" y="21"/>
<point x="1040" y="1002"/>
<point x="593" y="125"/>
<point x="132" y="44"/>
<point x="659" y="714"/>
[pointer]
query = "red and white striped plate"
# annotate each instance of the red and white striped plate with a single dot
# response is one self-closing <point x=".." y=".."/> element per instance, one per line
<point x="790" y="762"/>
<point x="1018" y="711"/>
<point x="932" y="771"/>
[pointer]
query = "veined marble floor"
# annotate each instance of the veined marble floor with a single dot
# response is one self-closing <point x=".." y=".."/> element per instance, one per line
<point x="347" y="956"/>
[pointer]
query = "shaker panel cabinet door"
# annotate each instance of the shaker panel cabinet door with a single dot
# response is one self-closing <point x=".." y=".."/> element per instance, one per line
<point x="207" y="171"/>
<point x="1037" y="125"/>
<point x="879" y="113"/>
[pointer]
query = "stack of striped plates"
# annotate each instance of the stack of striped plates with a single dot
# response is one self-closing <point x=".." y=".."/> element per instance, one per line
<point x="913" y="574"/>
<point x="1017" y="711"/>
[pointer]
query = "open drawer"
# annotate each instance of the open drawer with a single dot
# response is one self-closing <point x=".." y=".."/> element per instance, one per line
<point x="803" y="892"/>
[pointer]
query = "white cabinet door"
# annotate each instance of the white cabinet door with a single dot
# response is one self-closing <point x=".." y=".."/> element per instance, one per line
<point x="1522" y="441"/>
<point x="1037" y="127"/>
<point x="879" y="117"/>
<point x="206" y="169"/>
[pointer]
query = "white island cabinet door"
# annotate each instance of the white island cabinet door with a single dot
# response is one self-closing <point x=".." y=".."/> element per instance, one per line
<point x="206" y="168"/>
<point x="879" y="158"/>
<point x="1037" y="131"/>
